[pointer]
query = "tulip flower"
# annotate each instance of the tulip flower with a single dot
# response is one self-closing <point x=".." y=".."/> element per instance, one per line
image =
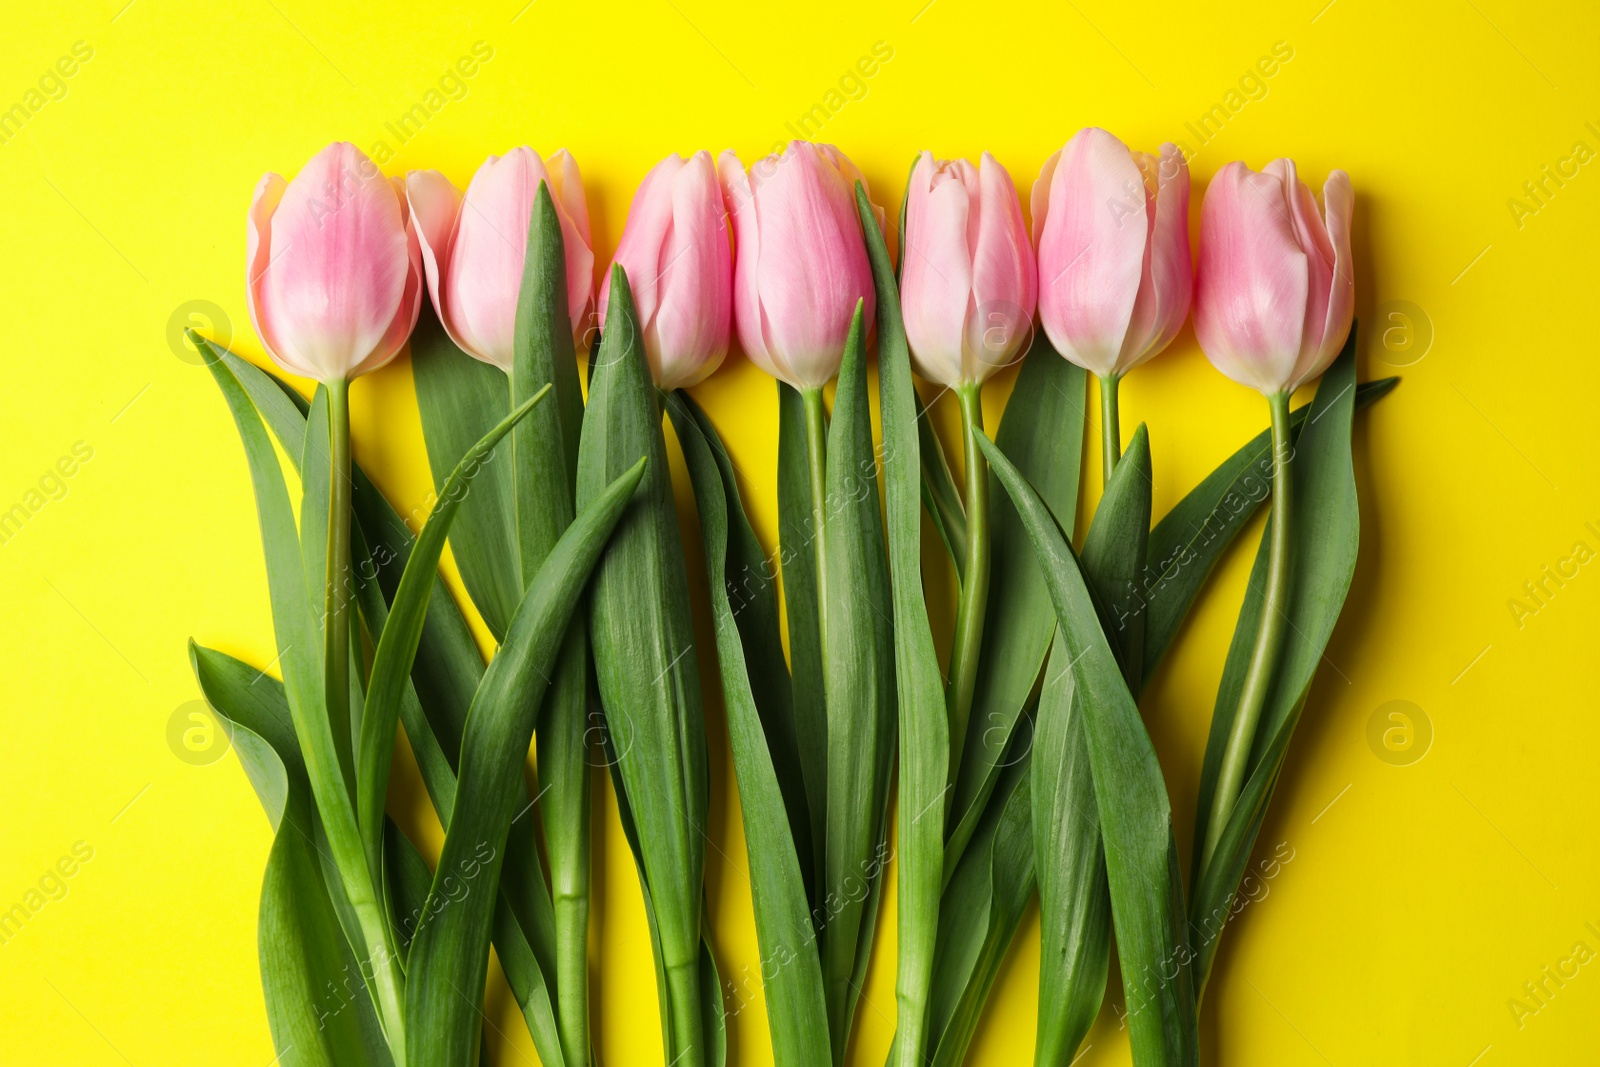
<point x="1112" y="226"/>
<point x="679" y="264"/>
<point x="1274" y="293"/>
<point x="801" y="265"/>
<point x="968" y="287"/>
<point x="473" y="247"/>
<point x="333" y="279"/>
<point x="1273" y="305"/>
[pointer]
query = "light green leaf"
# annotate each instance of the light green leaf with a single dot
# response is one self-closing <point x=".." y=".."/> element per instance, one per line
<point x="1136" y="819"/>
<point x="756" y="695"/>
<point x="860" y="689"/>
<point x="920" y="700"/>
<point x="1324" y="541"/>
<point x="450" y="950"/>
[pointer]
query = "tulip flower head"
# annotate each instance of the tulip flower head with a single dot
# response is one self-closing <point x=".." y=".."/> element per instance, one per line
<point x="1275" y="290"/>
<point x="800" y="263"/>
<point x="679" y="263"/>
<point x="334" y="276"/>
<point x="474" y="246"/>
<point x="969" y="281"/>
<point x="1112" y="227"/>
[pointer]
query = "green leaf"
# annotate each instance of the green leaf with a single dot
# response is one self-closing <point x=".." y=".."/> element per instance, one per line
<point x="1188" y="541"/>
<point x="1135" y="816"/>
<point x="402" y="632"/>
<point x="450" y="950"/>
<point x="434" y="709"/>
<point x="761" y="732"/>
<point x="1324" y="542"/>
<point x="545" y="451"/>
<point x="1043" y="431"/>
<point x="1074" y="901"/>
<point x="317" y="1008"/>
<point x="860" y="688"/>
<point x="797" y="556"/>
<point x="920" y="700"/>
<point x="981" y="909"/>
<point x="461" y="399"/>
<point x="643" y="647"/>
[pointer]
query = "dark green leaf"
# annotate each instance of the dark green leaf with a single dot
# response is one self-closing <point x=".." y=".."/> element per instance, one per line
<point x="1324" y="539"/>
<point x="1131" y="795"/>
<point x="1043" y="432"/>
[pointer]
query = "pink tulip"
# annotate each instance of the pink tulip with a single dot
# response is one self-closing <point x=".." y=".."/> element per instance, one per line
<point x="679" y="264"/>
<point x="333" y="278"/>
<point x="474" y="247"/>
<point x="1275" y="290"/>
<point x="969" y="281"/>
<point x="1112" y="228"/>
<point x="801" y="264"/>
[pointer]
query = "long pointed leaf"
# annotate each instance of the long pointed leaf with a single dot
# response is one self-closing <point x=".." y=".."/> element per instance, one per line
<point x="923" y="723"/>
<point x="643" y="646"/>
<point x="451" y="947"/>
<point x="1141" y="854"/>
<point x="860" y="688"/>
<point x="753" y="674"/>
<point x="1324" y="545"/>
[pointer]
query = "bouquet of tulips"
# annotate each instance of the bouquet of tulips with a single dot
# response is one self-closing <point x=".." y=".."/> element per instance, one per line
<point x="1020" y="766"/>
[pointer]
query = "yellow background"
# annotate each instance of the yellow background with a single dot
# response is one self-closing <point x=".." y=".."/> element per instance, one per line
<point x="1421" y="897"/>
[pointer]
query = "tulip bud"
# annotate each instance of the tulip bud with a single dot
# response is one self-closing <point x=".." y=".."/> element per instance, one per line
<point x="1112" y="228"/>
<point x="334" y="278"/>
<point x="969" y="281"/>
<point x="474" y="247"/>
<point x="679" y="264"/>
<point x="1275" y="289"/>
<point x="800" y="263"/>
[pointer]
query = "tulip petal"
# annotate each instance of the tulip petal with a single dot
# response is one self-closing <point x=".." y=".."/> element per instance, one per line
<point x="649" y="220"/>
<point x="936" y="278"/>
<point x="813" y="268"/>
<point x="739" y="198"/>
<point x="1250" y="290"/>
<point x="486" y="259"/>
<point x="689" y="330"/>
<point x="1004" y="274"/>
<point x="435" y="205"/>
<point x="1338" y="203"/>
<point x="1166" y="280"/>
<point x="340" y="264"/>
<point x="578" y="244"/>
<point x="1039" y="198"/>
<point x="258" y="254"/>
<point x="1091" y="249"/>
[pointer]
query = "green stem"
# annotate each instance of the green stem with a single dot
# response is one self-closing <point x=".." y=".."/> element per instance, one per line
<point x="336" y="603"/>
<point x="1110" y="426"/>
<point x="971" y="606"/>
<point x="817" y="442"/>
<point x="360" y="879"/>
<point x="688" y="1025"/>
<point x="1269" y="635"/>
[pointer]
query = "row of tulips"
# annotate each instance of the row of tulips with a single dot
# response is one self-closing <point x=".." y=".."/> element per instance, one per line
<point x="1024" y="767"/>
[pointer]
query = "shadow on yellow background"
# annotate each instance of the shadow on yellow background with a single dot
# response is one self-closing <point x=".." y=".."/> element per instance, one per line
<point x="1436" y="880"/>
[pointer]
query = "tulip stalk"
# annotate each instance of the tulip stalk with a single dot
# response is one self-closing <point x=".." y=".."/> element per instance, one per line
<point x="1110" y="424"/>
<point x="817" y="450"/>
<point x="1268" y="645"/>
<point x="975" y="574"/>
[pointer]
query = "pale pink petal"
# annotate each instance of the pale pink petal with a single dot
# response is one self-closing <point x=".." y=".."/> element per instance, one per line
<point x="1039" y="199"/>
<point x="936" y="278"/>
<point x="435" y="213"/>
<point x="1004" y="274"/>
<point x="739" y="198"/>
<point x="485" y="271"/>
<point x="340" y="265"/>
<point x="649" y="220"/>
<point x="1338" y="203"/>
<point x="1166" y="280"/>
<point x="689" y="330"/>
<point x="1091" y="250"/>
<point x="573" y="208"/>
<point x="1251" y="284"/>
